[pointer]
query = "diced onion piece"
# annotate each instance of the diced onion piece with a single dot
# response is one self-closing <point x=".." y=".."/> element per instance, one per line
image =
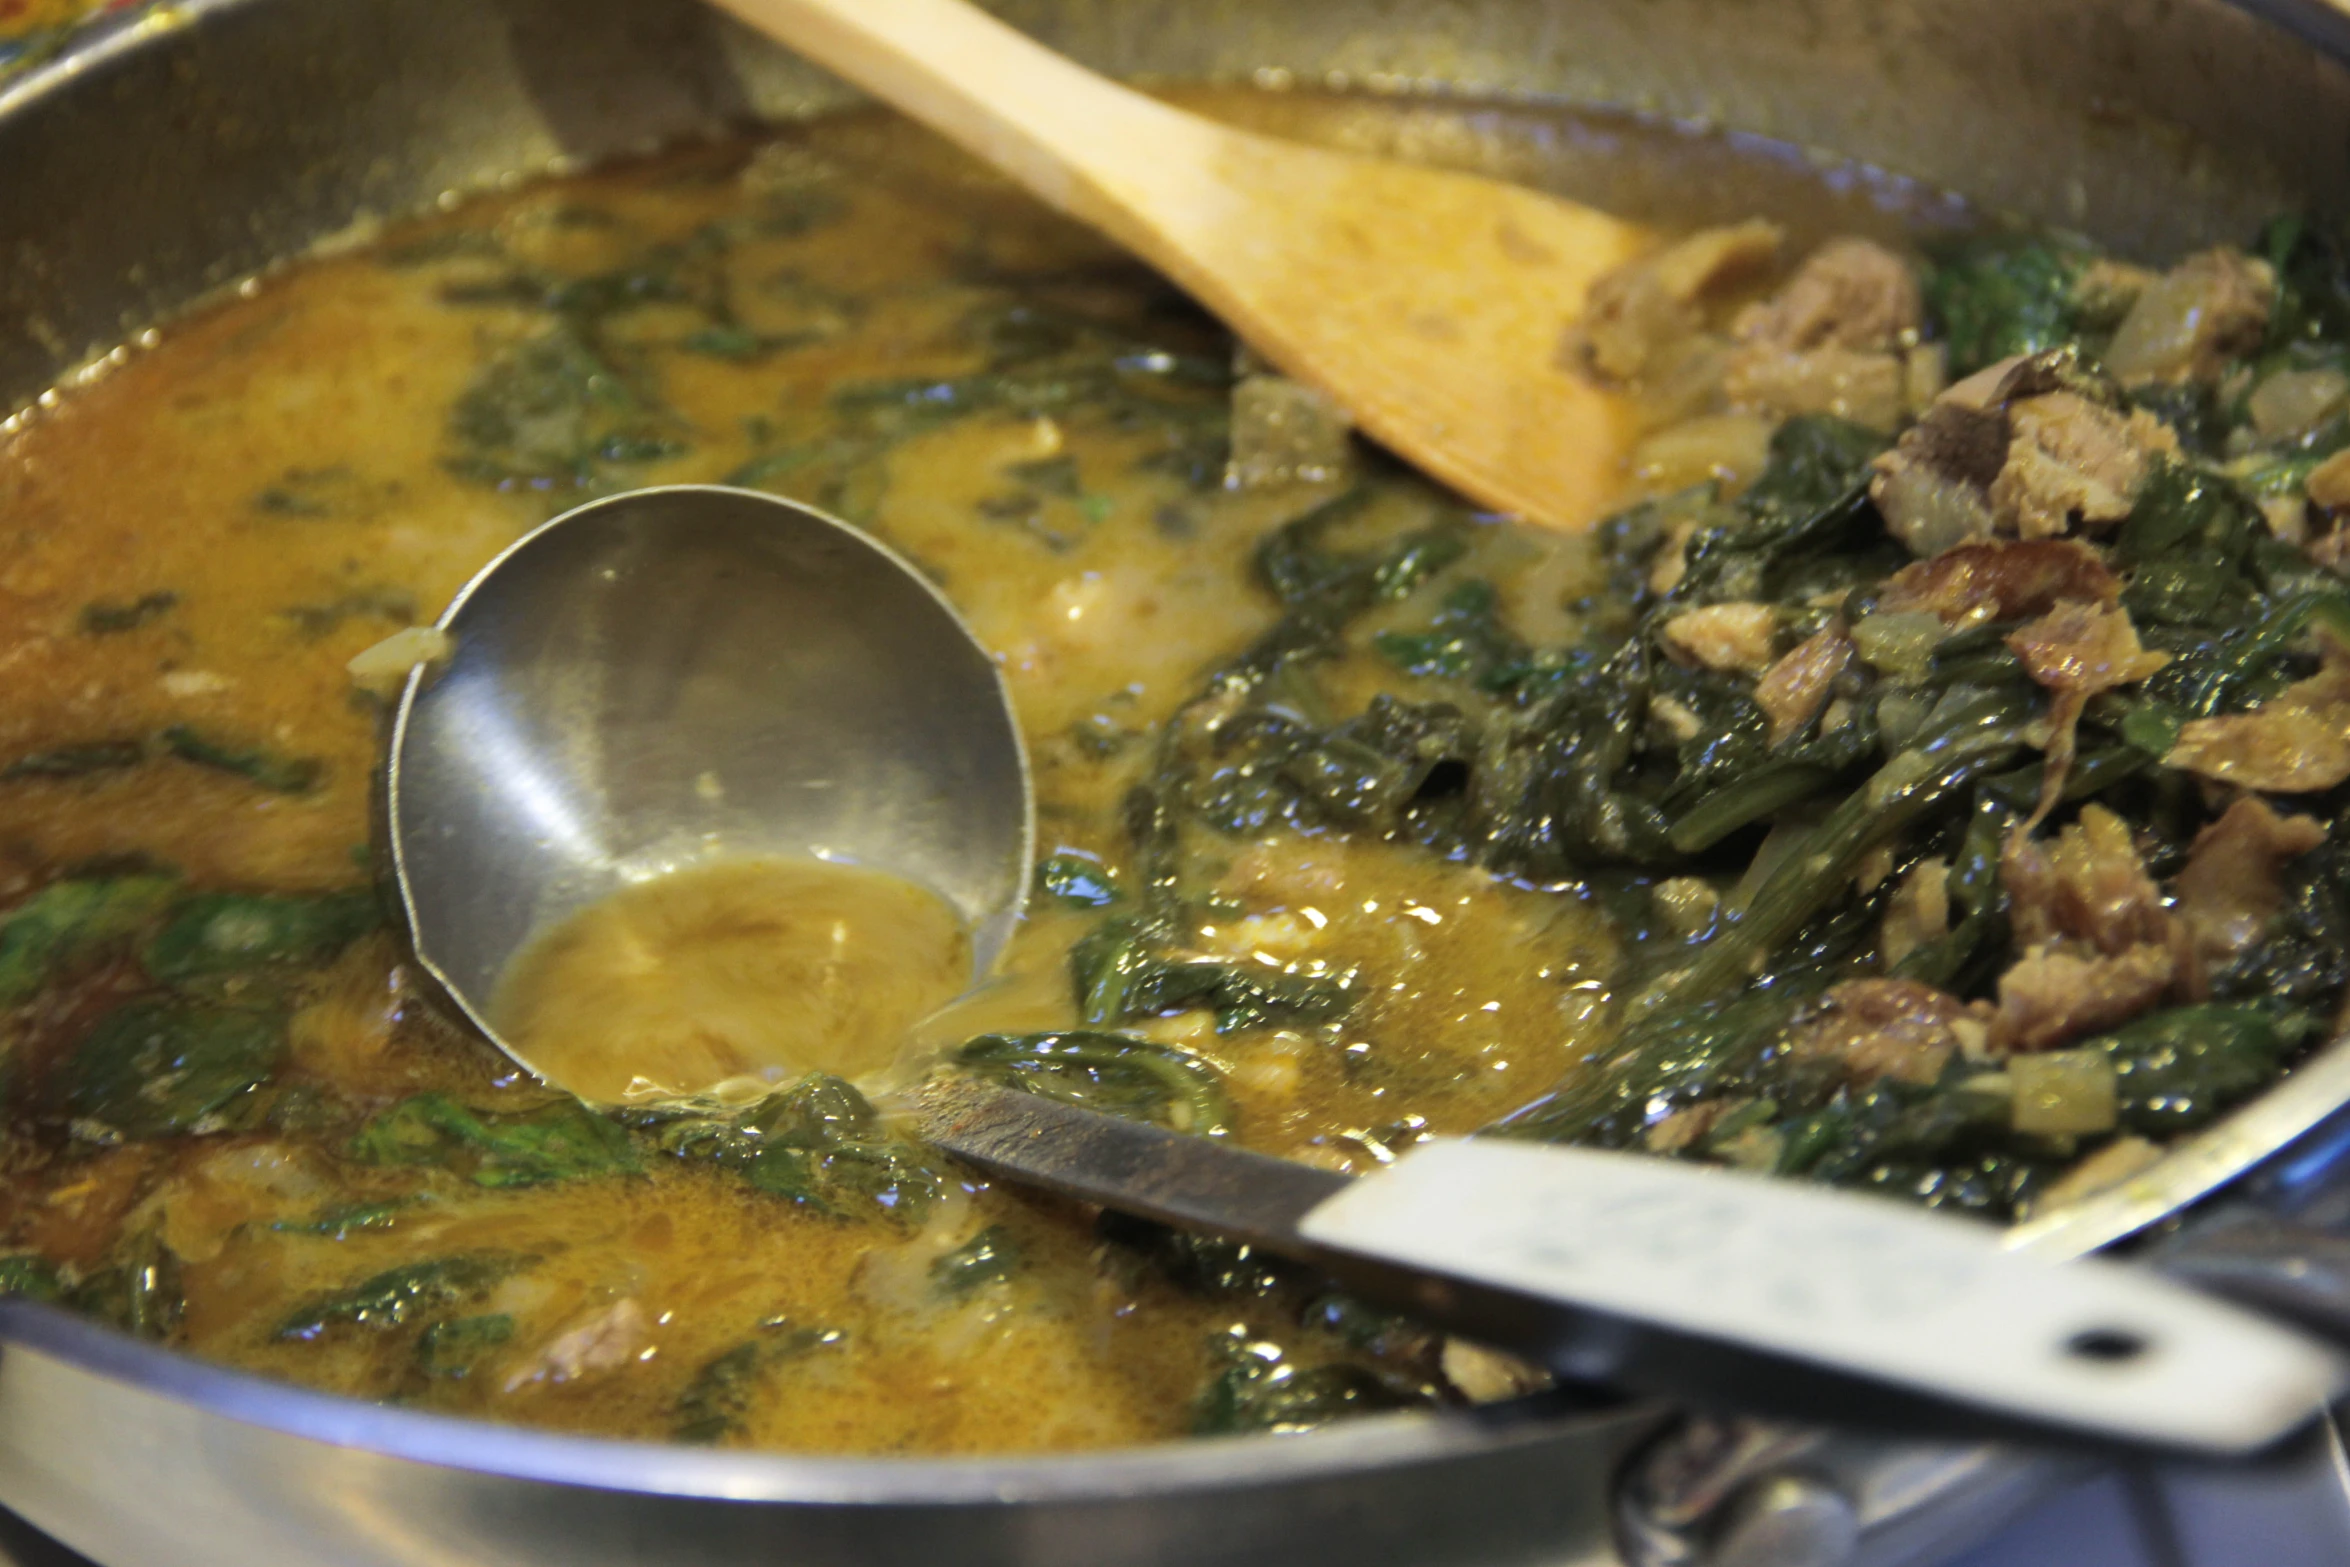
<point x="2064" y="1093"/>
<point x="382" y="669"/>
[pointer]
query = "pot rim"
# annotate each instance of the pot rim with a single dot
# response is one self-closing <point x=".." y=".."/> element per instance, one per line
<point x="489" y="1448"/>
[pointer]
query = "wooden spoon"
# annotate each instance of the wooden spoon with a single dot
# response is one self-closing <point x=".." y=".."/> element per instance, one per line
<point x="1430" y="305"/>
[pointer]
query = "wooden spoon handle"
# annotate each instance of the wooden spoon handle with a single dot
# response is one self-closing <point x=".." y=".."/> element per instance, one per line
<point x="1078" y="141"/>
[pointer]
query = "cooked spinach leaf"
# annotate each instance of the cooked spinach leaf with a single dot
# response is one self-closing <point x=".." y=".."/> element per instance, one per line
<point x="104" y="617"/>
<point x="2000" y="297"/>
<point x="450" y="1349"/>
<point x="2179" y="1069"/>
<point x="550" y="410"/>
<point x="1116" y="1073"/>
<point x="77" y="761"/>
<point x="395" y="1298"/>
<point x="990" y="1257"/>
<point x="722" y="1393"/>
<point x="137" y="1290"/>
<point x="155" y="1068"/>
<point x="30" y="1276"/>
<point x="277" y="773"/>
<point x="817" y="1143"/>
<point x="561" y="1140"/>
<point x="1258" y="1389"/>
<point x="227" y="932"/>
<point x="67" y="920"/>
<point x="1076" y="879"/>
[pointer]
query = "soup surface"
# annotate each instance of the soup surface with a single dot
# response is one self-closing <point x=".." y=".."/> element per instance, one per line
<point x="1725" y="831"/>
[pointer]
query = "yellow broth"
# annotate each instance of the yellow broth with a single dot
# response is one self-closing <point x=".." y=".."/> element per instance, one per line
<point x="736" y="973"/>
<point x="198" y="541"/>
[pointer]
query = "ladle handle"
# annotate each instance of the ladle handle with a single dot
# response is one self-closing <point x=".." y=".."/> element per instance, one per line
<point x="1104" y="154"/>
<point x="1701" y="1283"/>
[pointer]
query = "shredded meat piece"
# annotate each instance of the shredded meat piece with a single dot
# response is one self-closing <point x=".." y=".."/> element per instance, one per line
<point x="2072" y="462"/>
<point x="1876" y="1028"/>
<point x="2229" y="891"/>
<point x="1849" y="293"/>
<point x="1724" y="636"/>
<point x="601" y="1341"/>
<point x="1917" y="913"/>
<point x="2076" y="651"/>
<point x="2084" y="647"/>
<point x="2188" y="323"/>
<point x="2087" y="885"/>
<point x="2053" y="995"/>
<point x="2000" y="580"/>
<point x="2099" y="946"/>
<point x="2295" y="742"/>
<point x="1634" y="314"/>
<point x="1793" y="690"/>
<point x="1671" y="561"/>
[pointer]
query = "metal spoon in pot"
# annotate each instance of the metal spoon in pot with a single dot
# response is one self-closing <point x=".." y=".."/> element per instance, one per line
<point x="681" y="677"/>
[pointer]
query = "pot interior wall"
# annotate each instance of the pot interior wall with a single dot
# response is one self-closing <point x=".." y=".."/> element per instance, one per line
<point x="177" y="157"/>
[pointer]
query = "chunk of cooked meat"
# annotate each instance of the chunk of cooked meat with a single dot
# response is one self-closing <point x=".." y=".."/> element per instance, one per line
<point x="2000" y="579"/>
<point x="1878" y="1028"/>
<point x="1848" y="294"/>
<point x="1671" y="562"/>
<point x="2188" y="323"/>
<point x="2022" y="448"/>
<point x="2055" y="995"/>
<point x="2071" y="462"/>
<point x="1832" y="339"/>
<point x="1724" y="636"/>
<point x="1635" y="313"/>
<point x="2295" y="742"/>
<point x="1917" y="914"/>
<point x="1793" y="690"/>
<point x="2229" y="890"/>
<point x="2086" y="885"/>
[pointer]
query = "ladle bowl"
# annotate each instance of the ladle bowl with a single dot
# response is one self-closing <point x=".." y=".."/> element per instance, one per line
<point x="684" y="674"/>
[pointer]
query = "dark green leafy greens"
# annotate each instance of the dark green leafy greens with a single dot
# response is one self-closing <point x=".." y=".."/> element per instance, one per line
<point x="154" y="1068"/>
<point x="723" y="1392"/>
<point x="400" y="1297"/>
<point x="560" y="1140"/>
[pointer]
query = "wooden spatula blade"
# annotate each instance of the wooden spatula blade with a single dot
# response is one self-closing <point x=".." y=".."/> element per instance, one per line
<point x="1430" y="305"/>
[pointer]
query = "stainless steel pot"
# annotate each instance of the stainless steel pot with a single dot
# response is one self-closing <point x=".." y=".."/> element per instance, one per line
<point x="173" y="156"/>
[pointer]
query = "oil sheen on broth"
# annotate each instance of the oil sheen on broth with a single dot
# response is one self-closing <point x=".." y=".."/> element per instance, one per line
<point x="234" y="1125"/>
<point x="734" y="975"/>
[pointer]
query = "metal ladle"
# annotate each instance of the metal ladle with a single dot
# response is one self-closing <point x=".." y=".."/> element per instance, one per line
<point x="680" y="674"/>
